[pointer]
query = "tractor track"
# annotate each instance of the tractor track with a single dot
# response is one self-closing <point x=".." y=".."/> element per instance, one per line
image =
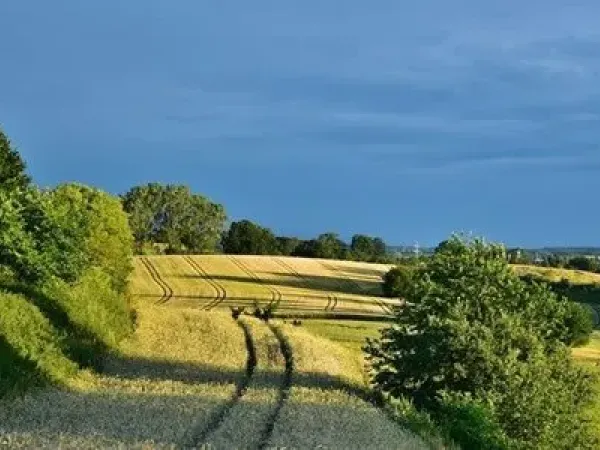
<point x="332" y="299"/>
<point x="155" y="275"/>
<point x="385" y="308"/>
<point x="284" y="389"/>
<point x="221" y="293"/>
<point x="276" y="295"/>
<point x="201" y="434"/>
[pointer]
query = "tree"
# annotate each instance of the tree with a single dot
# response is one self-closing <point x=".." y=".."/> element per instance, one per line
<point x="366" y="248"/>
<point x="330" y="246"/>
<point x="173" y="216"/>
<point x="397" y="281"/>
<point x="306" y="249"/>
<point x="583" y="263"/>
<point x="33" y="245"/>
<point x="362" y="247"/>
<point x="247" y="238"/>
<point x="12" y="168"/>
<point x="98" y="222"/>
<point x="379" y="249"/>
<point x="287" y="245"/>
<point x="472" y="331"/>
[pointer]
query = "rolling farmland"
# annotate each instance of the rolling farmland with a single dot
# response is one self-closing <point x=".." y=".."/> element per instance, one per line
<point x="189" y="379"/>
<point x="296" y="287"/>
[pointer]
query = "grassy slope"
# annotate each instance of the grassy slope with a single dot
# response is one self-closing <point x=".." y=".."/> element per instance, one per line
<point x="180" y="370"/>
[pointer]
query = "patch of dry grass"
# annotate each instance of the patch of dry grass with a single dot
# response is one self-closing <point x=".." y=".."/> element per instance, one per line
<point x="552" y="274"/>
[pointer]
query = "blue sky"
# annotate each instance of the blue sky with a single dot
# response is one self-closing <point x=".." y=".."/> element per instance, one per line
<point x="408" y="121"/>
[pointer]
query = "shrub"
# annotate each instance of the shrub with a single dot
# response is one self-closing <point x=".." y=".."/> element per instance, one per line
<point x="579" y="324"/>
<point x="396" y="282"/>
<point x="470" y="423"/>
<point x="99" y="228"/>
<point x="472" y="327"/>
<point x="94" y="306"/>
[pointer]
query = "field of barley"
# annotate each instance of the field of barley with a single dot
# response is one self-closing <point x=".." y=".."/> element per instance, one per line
<point x="297" y="287"/>
<point x="195" y="379"/>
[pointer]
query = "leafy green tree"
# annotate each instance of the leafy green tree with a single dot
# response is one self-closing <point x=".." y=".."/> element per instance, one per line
<point x="12" y="168"/>
<point x="362" y="247"/>
<point x="247" y="238"/>
<point x="397" y="281"/>
<point x="379" y="249"/>
<point x="33" y="245"/>
<point x="97" y="222"/>
<point x="472" y="327"/>
<point x="287" y="245"/>
<point x="367" y="248"/>
<point x="306" y="249"/>
<point x="330" y="246"/>
<point x="583" y="263"/>
<point x="173" y="216"/>
<point x="579" y="324"/>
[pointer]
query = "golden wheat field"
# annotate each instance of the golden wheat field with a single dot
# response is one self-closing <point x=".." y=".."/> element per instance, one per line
<point x="295" y="286"/>
<point x="195" y="379"/>
<point x="552" y="274"/>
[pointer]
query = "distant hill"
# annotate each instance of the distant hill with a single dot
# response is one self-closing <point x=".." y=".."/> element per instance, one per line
<point x="595" y="251"/>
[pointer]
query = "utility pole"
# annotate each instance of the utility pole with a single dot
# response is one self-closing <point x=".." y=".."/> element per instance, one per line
<point x="417" y="252"/>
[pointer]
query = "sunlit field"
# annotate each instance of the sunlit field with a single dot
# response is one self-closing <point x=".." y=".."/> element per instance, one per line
<point x="190" y="377"/>
<point x="297" y="287"/>
<point x="552" y="274"/>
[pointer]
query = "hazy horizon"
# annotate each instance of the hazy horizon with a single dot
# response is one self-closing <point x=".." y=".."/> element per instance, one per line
<point x="405" y="121"/>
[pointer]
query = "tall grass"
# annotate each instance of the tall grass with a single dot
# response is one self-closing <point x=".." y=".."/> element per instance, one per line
<point x="46" y="332"/>
<point x="30" y="347"/>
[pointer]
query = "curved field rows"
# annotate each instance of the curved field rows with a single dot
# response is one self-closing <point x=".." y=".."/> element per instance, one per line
<point x="297" y="286"/>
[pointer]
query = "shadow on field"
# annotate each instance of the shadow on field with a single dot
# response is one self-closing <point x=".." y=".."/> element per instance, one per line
<point x="157" y="370"/>
<point x="111" y="417"/>
<point x="16" y="372"/>
<point x="79" y="344"/>
<point x="360" y="272"/>
<point x="59" y="419"/>
<point x="312" y="282"/>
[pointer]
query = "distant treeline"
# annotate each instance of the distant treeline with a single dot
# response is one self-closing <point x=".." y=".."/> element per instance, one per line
<point x="171" y="219"/>
<point x="588" y="262"/>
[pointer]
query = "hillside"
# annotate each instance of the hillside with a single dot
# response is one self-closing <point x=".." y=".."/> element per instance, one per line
<point x="189" y="377"/>
<point x="296" y="286"/>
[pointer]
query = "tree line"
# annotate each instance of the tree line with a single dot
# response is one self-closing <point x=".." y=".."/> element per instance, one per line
<point x="588" y="263"/>
<point x="171" y="219"/>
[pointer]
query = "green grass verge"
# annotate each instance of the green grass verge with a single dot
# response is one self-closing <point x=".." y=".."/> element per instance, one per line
<point x="30" y="347"/>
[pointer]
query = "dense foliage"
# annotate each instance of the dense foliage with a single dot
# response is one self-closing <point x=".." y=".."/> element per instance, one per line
<point x="397" y="281"/>
<point x="12" y="167"/>
<point x="65" y="257"/>
<point x="247" y="238"/>
<point x="475" y="338"/>
<point x="172" y="216"/>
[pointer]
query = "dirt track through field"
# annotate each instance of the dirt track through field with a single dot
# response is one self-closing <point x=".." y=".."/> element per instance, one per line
<point x="332" y="299"/>
<point x="205" y="433"/>
<point x="221" y="293"/>
<point x="202" y="432"/>
<point x="276" y="295"/>
<point x="285" y="388"/>
<point x="167" y="291"/>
